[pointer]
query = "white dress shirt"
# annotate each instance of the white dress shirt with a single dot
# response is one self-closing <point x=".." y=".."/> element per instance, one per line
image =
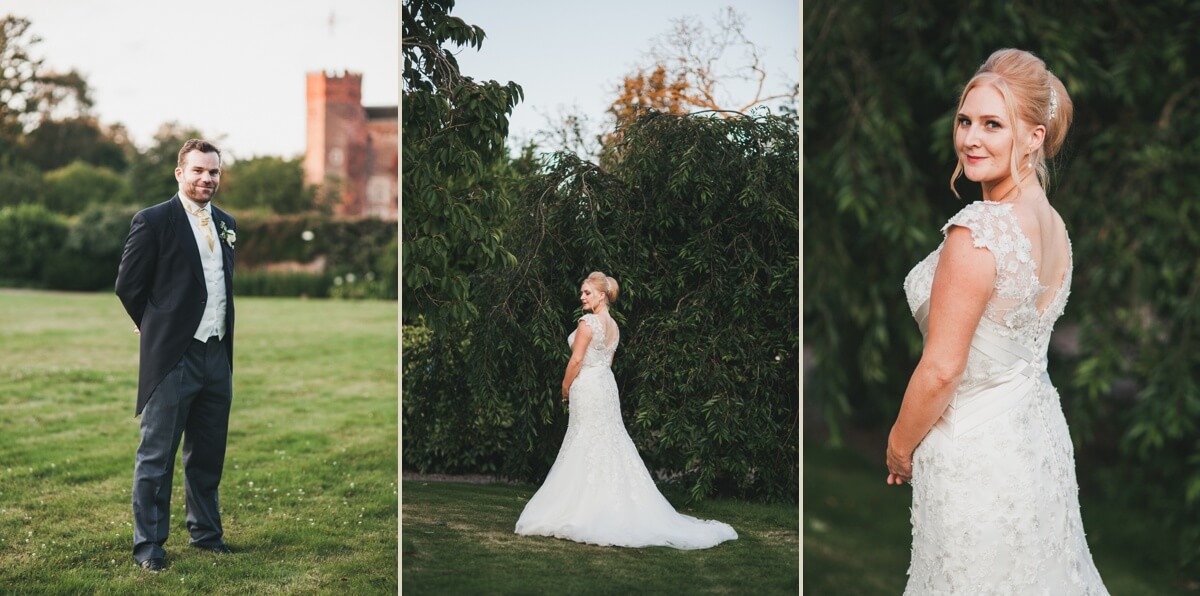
<point x="213" y="321"/>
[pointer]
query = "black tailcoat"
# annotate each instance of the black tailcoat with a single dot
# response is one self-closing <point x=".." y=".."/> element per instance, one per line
<point x="161" y="284"/>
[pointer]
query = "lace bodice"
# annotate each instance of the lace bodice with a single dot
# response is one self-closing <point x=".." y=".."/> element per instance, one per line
<point x="1012" y="311"/>
<point x="602" y="348"/>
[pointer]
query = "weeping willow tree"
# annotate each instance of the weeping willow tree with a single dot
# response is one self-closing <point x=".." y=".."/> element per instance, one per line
<point x="698" y="220"/>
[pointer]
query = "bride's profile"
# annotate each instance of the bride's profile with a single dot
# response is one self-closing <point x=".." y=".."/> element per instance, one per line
<point x="599" y="491"/>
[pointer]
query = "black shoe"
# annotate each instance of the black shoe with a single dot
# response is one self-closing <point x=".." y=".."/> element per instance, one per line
<point x="218" y="548"/>
<point x="153" y="565"/>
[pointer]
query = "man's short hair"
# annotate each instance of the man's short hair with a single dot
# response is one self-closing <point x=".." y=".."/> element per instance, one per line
<point x="196" y="145"/>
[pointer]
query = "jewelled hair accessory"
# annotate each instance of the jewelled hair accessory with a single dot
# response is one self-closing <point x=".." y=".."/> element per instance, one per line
<point x="1053" y="103"/>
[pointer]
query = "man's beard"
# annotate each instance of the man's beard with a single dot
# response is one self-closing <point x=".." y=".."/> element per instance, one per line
<point x="193" y="192"/>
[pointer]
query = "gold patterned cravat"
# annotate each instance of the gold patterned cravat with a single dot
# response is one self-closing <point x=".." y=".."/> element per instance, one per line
<point x="204" y="223"/>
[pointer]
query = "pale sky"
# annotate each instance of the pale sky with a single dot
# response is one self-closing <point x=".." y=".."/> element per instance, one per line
<point x="569" y="54"/>
<point x="241" y="81"/>
<point x="233" y="69"/>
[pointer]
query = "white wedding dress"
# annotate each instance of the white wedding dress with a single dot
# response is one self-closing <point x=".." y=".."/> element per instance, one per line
<point x="995" y="506"/>
<point x="598" y="490"/>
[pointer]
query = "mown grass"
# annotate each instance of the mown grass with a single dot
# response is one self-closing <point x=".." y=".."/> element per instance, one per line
<point x="458" y="539"/>
<point x="857" y="535"/>
<point x="309" y="492"/>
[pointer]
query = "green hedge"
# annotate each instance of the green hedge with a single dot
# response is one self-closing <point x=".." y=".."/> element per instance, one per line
<point x="89" y="258"/>
<point x="446" y="426"/>
<point x="360" y="249"/>
<point x="349" y="245"/>
<point x="264" y="283"/>
<point x="81" y="186"/>
<point x="29" y="234"/>
<point x="82" y="253"/>
<point x="19" y="183"/>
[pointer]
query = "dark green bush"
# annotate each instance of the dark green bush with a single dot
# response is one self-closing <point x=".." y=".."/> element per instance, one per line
<point x="446" y="425"/>
<point x="89" y="258"/>
<point x="266" y="182"/>
<point x="20" y="183"/>
<point x="74" y="188"/>
<point x="28" y="235"/>
<point x="356" y="245"/>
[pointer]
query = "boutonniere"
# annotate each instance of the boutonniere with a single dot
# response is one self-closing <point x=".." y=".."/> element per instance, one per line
<point x="227" y="235"/>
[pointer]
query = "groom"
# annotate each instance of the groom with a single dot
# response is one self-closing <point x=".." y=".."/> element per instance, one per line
<point x="176" y="282"/>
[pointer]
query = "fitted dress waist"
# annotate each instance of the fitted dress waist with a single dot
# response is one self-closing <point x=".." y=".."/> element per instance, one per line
<point x="1019" y="372"/>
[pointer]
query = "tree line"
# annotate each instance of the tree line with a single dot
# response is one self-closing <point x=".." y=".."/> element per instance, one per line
<point x="55" y="151"/>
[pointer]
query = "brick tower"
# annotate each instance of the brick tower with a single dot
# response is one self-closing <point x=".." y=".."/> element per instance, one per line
<point x="352" y="146"/>
<point x="337" y="137"/>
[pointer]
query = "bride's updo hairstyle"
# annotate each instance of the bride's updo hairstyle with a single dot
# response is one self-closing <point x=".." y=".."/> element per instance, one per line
<point x="1031" y="93"/>
<point x="604" y="284"/>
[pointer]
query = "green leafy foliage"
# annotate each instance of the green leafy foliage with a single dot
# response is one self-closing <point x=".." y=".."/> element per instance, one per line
<point x="699" y="224"/>
<point x="57" y="143"/>
<point x="362" y="287"/>
<point x="28" y="233"/>
<point x="20" y="183"/>
<point x="453" y="135"/>
<point x="89" y="257"/>
<point x="284" y="284"/>
<point x="73" y="188"/>
<point x="268" y="183"/>
<point x="446" y="427"/>
<point x="881" y="82"/>
<point x="45" y="115"/>
<point x="387" y="268"/>
<point x="348" y="245"/>
<point x="82" y="253"/>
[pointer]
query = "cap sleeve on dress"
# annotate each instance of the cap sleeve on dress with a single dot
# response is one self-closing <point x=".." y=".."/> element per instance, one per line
<point x="992" y="226"/>
<point x="597" y="327"/>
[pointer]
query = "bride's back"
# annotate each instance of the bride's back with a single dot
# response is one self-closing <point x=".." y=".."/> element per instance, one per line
<point x="1050" y="246"/>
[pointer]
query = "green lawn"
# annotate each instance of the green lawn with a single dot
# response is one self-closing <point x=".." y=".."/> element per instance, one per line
<point x="857" y="535"/>
<point x="458" y="539"/>
<point x="309" y="494"/>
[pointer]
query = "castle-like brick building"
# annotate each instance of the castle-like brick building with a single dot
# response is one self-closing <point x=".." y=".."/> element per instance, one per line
<point x="352" y="145"/>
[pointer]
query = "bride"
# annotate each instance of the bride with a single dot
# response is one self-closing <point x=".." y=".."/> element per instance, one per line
<point x="599" y="491"/>
<point x="981" y="434"/>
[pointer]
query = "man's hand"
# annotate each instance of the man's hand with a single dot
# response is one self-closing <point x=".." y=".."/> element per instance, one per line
<point x="137" y="331"/>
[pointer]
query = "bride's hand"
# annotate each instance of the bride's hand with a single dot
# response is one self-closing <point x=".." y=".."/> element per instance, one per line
<point x="899" y="466"/>
<point x="566" y="393"/>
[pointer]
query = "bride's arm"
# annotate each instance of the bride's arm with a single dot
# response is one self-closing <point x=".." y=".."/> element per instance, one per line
<point x="962" y="285"/>
<point x="583" y="337"/>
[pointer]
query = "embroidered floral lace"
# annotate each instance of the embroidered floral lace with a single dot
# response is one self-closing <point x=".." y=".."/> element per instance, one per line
<point x="995" y="505"/>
